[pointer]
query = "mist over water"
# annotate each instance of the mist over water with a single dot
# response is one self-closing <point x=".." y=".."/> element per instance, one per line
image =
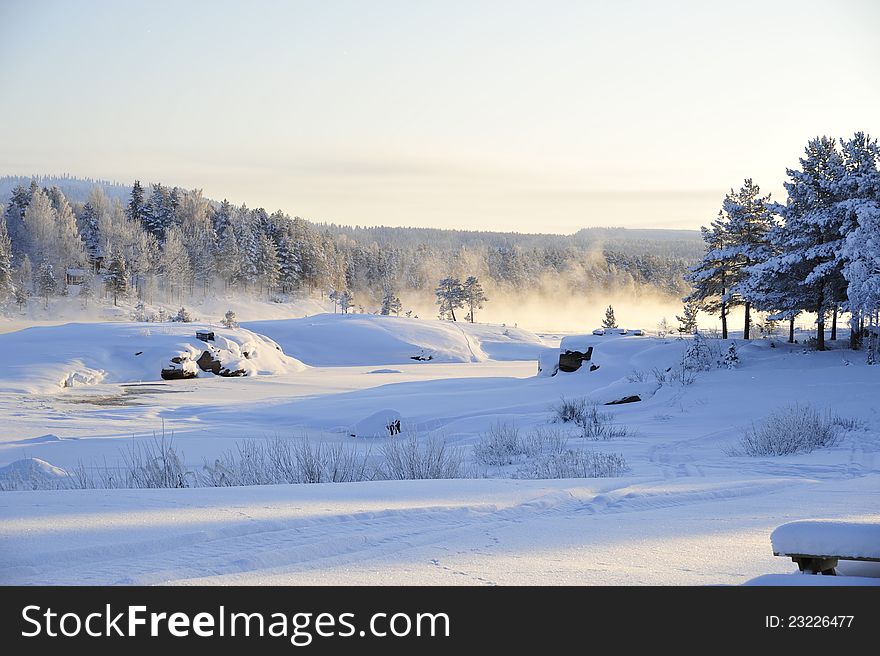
<point x="564" y="312"/>
<point x="569" y="313"/>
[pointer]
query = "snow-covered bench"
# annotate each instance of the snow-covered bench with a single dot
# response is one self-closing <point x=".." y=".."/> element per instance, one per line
<point x="816" y="545"/>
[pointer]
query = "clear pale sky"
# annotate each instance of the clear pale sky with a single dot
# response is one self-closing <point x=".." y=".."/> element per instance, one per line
<point x="531" y="116"/>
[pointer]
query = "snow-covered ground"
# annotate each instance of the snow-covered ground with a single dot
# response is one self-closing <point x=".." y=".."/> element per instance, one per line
<point x="686" y="512"/>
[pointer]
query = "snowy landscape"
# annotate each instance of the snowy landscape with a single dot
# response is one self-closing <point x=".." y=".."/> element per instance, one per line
<point x="80" y="405"/>
<point x="441" y="362"/>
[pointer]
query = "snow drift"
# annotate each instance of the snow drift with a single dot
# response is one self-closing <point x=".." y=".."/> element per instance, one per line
<point x="370" y="340"/>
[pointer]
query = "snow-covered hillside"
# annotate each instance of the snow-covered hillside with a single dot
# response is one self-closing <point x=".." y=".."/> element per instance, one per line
<point x="369" y="339"/>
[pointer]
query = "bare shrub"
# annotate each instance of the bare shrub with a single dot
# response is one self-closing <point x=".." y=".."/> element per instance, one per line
<point x="279" y="461"/>
<point x="410" y="458"/>
<point x="849" y="424"/>
<point x="570" y="410"/>
<point x="155" y="464"/>
<point x="575" y="463"/>
<point x="793" y="429"/>
<point x="499" y="446"/>
<point x="543" y="440"/>
<point x="504" y="444"/>
<point x="594" y="424"/>
<point x="597" y="425"/>
<point x="636" y="376"/>
<point x="661" y="375"/>
<point x="683" y="374"/>
<point x="700" y="354"/>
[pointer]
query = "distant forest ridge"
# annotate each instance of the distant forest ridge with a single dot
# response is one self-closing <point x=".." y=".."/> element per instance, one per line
<point x="683" y="244"/>
<point x="168" y="244"/>
<point x="75" y="189"/>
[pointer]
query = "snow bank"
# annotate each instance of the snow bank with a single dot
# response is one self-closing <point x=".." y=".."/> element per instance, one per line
<point x="826" y="537"/>
<point x="44" y="359"/>
<point x="31" y="473"/>
<point x="384" y="423"/>
<point x="369" y="340"/>
<point x="798" y="579"/>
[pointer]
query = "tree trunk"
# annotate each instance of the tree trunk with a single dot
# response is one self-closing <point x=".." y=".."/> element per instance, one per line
<point x="820" y="332"/>
<point x="854" y="332"/>
<point x="791" y="330"/>
<point x="834" y="324"/>
<point x="452" y="312"/>
<point x="748" y="320"/>
<point x="723" y="321"/>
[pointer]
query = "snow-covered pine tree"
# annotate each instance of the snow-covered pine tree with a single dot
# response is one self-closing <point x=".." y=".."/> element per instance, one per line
<point x="609" y="321"/>
<point x="711" y="278"/>
<point x="687" y="321"/>
<point x="474" y="296"/>
<point x="268" y="268"/>
<point x="306" y="250"/>
<point x="21" y="297"/>
<point x="183" y="316"/>
<point x="229" y="258"/>
<point x="159" y="212"/>
<point x="14" y="215"/>
<point x="117" y="277"/>
<point x="46" y="280"/>
<point x="859" y="190"/>
<point x="89" y="222"/>
<point x="140" y="312"/>
<point x="135" y="208"/>
<point x="748" y="221"/>
<point x="808" y="244"/>
<point x="697" y="356"/>
<point x="7" y="275"/>
<point x="731" y="358"/>
<point x="229" y="320"/>
<point x="390" y="303"/>
<point x="346" y="300"/>
<point x="220" y="216"/>
<point x="334" y="296"/>
<point x="450" y="296"/>
<point x="248" y="235"/>
<point x="290" y="272"/>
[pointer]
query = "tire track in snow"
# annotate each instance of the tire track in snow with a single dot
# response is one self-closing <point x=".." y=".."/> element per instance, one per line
<point x="295" y="545"/>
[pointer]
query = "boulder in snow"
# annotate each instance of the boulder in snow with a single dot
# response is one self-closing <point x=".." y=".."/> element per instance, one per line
<point x="633" y="398"/>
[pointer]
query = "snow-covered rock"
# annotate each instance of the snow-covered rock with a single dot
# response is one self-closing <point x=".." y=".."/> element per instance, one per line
<point x="44" y="359"/>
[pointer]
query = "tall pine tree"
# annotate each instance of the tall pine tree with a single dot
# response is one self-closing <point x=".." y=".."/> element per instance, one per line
<point x="711" y="278"/>
<point x="748" y="222"/>
<point x="474" y="296"/>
